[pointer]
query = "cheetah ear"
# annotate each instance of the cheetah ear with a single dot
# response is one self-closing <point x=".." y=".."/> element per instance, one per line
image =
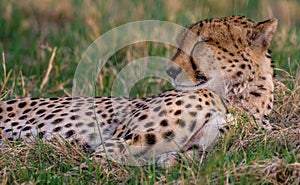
<point x="263" y="32"/>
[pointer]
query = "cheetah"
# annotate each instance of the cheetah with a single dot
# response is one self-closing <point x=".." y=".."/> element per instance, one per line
<point x="222" y="62"/>
<point x="229" y="56"/>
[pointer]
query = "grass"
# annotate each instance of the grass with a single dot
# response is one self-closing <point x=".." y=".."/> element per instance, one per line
<point x="31" y="33"/>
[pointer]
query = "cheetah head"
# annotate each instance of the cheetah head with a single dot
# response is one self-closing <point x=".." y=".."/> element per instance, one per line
<point x="218" y="53"/>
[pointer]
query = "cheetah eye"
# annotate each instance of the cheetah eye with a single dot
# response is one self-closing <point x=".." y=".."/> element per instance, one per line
<point x="206" y="39"/>
<point x="198" y="42"/>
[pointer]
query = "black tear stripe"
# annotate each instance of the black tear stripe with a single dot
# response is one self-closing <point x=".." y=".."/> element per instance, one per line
<point x="194" y="66"/>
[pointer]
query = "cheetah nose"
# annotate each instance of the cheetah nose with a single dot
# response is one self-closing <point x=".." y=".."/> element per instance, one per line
<point x="173" y="72"/>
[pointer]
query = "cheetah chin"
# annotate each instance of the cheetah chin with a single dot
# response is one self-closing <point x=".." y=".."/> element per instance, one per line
<point x="191" y="87"/>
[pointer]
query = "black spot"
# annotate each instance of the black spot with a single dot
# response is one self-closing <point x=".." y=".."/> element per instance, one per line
<point x="74" y="110"/>
<point x="44" y="103"/>
<point x="40" y="125"/>
<point x="33" y="103"/>
<point x="150" y="130"/>
<point x="243" y="66"/>
<point x="177" y="112"/>
<point x="13" y="124"/>
<point x="200" y="99"/>
<point x="69" y="133"/>
<point x="208" y="115"/>
<point x="91" y="124"/>
<point x="239" y="73"/>
<point x="89" y="113"/>
<point x="56" y="129"/>
<point x="74" y="117"/>
<point x="188" y="106"/>
<point x="1" y="110"/>
<point x="49" y="116"/>
<point x="162" y="113"/>
<point x="156" y="109"/>
<point x="179" y="102"/>
<point x="92" y="136"/>
<point x="60" y="106"/>
<point x="168" y="99"/>
<point x="8" y="130"/>
<point x="65" y="103"/>
<point x="104" y="115"/>
<point x="142" y="117"/>
<point x="266" y="117"/>
<point x="169" y="135"/>
<point x="193" y="125"/>
<point x="11" y="102"/>
<point x="57" y="110"/>
<point x="192" y="97"/>
<point x="181" y="123"/>
<point x="51" y="105"/>
<point x="206" y="103"/>
<point x="22" y="105"/>
<point x="213" y="102"/>
<point x="26" y="128"/>
<point x="269" y="107"/>
<point x="256" y="94"/>
<point x="79" y="124"/>
<point x="109" y="144"/>
<point x="129" y="136"/>
<point x="11" y="115"/>
<point x="53" y="98"/>
<point x="193" y="114"/>
<point x="137" y="114"/>
<point x="7" y="120"/>
<point x="68" y="125"/>
<point x="57" y="121"/>
<point x="150" y="139"/>
<point x="41" y="111"/>
<point x="31" y="121"/>
<point x="149" y="124"/>
<point x="164" y="123"/>
<point x="136" y="138"/>
<point x="9" y="109"/>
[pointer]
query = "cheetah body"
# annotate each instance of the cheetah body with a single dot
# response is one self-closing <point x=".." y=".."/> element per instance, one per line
<point x="166" y="123"/>
<point x="219" y="58"/>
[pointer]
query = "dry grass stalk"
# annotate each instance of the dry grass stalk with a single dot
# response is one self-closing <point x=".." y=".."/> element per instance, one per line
<point x="5" y="77"/>
<point x="50" y="66"/>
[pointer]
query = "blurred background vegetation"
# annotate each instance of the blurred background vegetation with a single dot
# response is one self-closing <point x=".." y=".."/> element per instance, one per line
<point x="31" y="29"/>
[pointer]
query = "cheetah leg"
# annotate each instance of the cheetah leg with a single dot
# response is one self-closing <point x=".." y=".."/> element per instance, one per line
<point x="117" y="150"/>
<point x="201" y="141"/>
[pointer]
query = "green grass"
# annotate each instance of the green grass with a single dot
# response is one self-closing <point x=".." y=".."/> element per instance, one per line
<point x="29" y="32"/>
